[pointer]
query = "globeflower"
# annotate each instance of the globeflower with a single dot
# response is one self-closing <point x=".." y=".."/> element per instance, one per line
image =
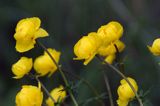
<point x="22" y="67"/>
<point x="58" y="95"/>
<point x="125" y="92"/>
<point x="44" y="64"/>
<point x="29" y="96"/>
<point x="155" y="48"/>
<point x="110" y="32"/>
<point x="87" y="47"/>
<point x="111" y="49"/>
<point x="27" y="31"/>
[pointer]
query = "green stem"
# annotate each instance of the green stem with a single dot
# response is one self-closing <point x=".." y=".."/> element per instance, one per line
<point x="42" y="85"/>
<point x="88" y="84"/>
<point x="108" y="88"/>
<point x="61" y="72"/>
<point x="123" y="76"/>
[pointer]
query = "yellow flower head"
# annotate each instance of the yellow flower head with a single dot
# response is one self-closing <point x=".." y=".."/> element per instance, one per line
<point x="29" y="96"/>
<point x="44" y="64"/>
<point x="110" y="58"/>
<point x="22" y="67"/>
<point x="58" y="94"/>
<point x="110" y="32"/>
<point x="27" y="31"/>
<point x="155" y="49"/>
<point x="86" y="48"/>
<point x="125" y="92"/>
<point x="111" y="49"/>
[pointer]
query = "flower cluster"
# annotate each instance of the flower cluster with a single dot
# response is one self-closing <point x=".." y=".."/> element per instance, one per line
<point x="105" y="42"/>
<point x="125" y="92"/>
<point x="33" y="96"/>
<point x="43" y="64"/>
<point x="27" y="31"/>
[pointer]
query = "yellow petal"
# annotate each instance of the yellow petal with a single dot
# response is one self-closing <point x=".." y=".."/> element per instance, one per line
<point x="22" y="46"/>
<point x="58" y="94"/>
<point x="125" y="91"/>
<point x="22" y="67"/>
<point x="86" y="48"/>
<point x="89" y="59"/>
<point x="122" y="102"/>
<point x="36" y="21"/>
<point x="29" y="96"/>
<point x="110" y="32"/>
<point x="41" y="33"/>
<point x="155" y="48"/>
<point x="110" y="58"/>
<point x="44" y="65"/>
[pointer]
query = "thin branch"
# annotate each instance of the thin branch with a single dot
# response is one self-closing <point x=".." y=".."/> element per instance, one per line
<point x="44" y="88"/>
<point x="88" y="84"/>
<point x="108" y="88"/>
<point x="125" y="78"/>
<point x="61" y="72"/>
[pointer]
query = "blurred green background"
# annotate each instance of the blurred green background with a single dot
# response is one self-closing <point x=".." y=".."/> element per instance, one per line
<point x="67" y="21"/>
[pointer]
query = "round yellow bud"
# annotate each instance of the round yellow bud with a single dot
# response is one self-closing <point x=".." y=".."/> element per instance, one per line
<point x="111" y="49"/>
<point x="155" y="49"/>
<point x="27" y="31"/>
<point x="124" y="90"/>
<point x="58" y="94"/>
<point x="110" y="58"/>
<point x="22" y="67"/>
<point x="86" y="48"/>
<point x="110" y="32"/>
<point x="44" y="64"/>
<point x="29" y="96"/>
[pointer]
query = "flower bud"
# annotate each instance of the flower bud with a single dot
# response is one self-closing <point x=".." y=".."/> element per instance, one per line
<point x="22" y="67"/>
<point x="29" y="96"/>
<point x="27" y="31"/>
<point x="44" y="64"/>
<point x="110" y="32"/>
<point x="87" y="47"/>
<point x="155" y="48"/>
<point x="58" y="95"/>
<point x="125" y="92"/>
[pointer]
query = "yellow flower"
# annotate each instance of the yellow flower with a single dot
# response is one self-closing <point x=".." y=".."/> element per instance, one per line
<point x="22" y="67"/>
<point x="111" y="49"/>
<point x="27" y="31"/>
<point x="110" y="58"/>
<point x="58" y="94"/>
<point x="44" y="64"/>
<point x="86" y="48"/>
<point x="29" y="96"/>
<point x="155" y="49"/>
<point x="110" y="32"/>
<point x="125" y="92"/>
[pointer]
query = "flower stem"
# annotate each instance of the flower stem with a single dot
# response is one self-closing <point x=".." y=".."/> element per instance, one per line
<point x="44" y="88"/>
<point x="61" y="72"/>
<point x="123" y="76"/>
<point x="108" y="88"/>
<point x="88" y="84"/>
